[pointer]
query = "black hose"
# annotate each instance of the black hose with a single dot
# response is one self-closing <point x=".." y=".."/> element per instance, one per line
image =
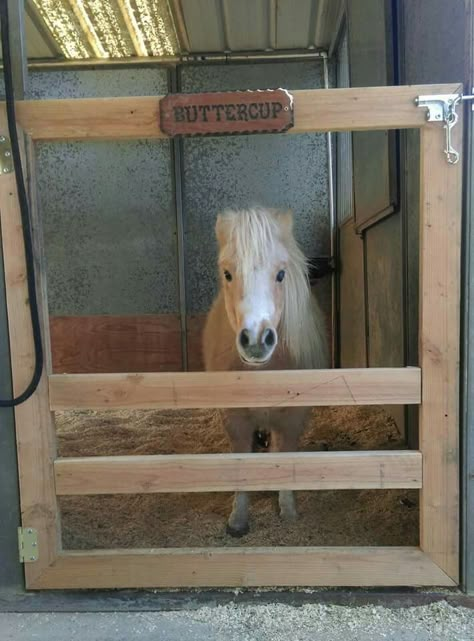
<point x="24" y="209"/>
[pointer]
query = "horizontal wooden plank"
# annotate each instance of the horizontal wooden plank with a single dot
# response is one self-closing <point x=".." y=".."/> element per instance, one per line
<point x="105" y="344"/>
<point x="363" y="108"/>
<point x="112" y="343"/>
<point x="230" y="472"/>
<point x="243" y="567"/>
<point x="284" y="388"/>
<point x="138" y="117"/>
<point x="91" y="118"/>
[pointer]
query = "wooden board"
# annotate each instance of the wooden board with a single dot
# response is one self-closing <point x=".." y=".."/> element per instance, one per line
<point x="241" y="567"/>
<point x="384" y="271"/>
<point x="353" y="352"/>
<point x="34" y="428"/>
<point x="440" y="238"/>
<point x="93" y="344"/>
<point x="195" y="327"/>
<point x="374" y="163"/>
<point x="138" y="117"/>
<point x="231" y="472"/>
<point x="236" y="389"/>
<point x="113" y="344"/>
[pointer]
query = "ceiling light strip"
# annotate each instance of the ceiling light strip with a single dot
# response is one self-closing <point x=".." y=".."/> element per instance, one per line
<point x="111" y="27"/>
<point x="88" y="28"/>
<point x="64" y="29"/>
<point x="133" y="28"/>
<point x="159" y="37"/>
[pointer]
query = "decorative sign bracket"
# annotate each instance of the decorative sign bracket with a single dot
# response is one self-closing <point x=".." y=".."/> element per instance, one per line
<point x="224" y="113"/>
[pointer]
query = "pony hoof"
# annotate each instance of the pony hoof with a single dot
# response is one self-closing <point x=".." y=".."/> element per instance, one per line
<point x="289" y="517"/>
<point x="237" y="532"/>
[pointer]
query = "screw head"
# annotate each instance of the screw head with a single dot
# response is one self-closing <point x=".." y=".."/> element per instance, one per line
<point x="32" y="558"/>
<point x="5" y="170"/>
<point x="2" y="138"/>
<point x="8" y="154"/>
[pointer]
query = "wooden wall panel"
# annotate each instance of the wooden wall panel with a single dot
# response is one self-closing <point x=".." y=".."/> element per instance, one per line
<point x="195" y="327"/>
<point x="384" y="265"/>
<point x="265" y="388"/>
<point x="370" y="50"/>
<point x="104" y="344"/>
<point x="351" y="298"/>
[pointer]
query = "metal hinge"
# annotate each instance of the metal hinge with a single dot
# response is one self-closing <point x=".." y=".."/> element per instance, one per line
<point x="28" y="544"/>
<point x="6" y="158"/>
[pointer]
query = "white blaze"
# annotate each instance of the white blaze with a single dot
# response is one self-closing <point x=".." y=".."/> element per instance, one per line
<point x="257" y="306"/>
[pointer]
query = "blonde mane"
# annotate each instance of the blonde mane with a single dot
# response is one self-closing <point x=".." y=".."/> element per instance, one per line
<point x="253" y="238"/>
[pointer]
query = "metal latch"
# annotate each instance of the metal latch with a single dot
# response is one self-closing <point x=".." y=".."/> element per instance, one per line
<point x="6" y="158"/>
<point x="442" y="108"/>
<point x="28" y="544"/>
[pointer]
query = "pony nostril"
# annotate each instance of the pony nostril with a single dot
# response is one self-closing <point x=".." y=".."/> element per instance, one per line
<point x="244" y="338"/>
<point x="269" y="337"/>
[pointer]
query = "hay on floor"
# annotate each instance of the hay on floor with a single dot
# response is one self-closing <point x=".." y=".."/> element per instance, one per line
<point x="375" y="517"/>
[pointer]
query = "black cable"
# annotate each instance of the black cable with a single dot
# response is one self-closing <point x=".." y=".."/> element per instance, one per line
<point x="24" y="209"/>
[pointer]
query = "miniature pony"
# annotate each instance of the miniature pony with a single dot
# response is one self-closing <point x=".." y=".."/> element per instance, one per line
<point x="264" y="316"/>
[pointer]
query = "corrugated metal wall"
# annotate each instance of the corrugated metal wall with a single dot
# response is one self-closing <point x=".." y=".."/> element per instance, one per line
<point x="108" y="209"/>
<point x="272" y="170"/>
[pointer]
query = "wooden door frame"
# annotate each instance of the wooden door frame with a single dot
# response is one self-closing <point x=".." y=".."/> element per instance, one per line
<point x="434" y="468"/>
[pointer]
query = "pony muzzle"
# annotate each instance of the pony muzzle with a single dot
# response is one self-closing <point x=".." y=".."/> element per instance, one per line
<point x="256" y="348"/>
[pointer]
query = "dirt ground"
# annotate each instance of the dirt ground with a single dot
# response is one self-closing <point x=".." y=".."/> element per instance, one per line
<point x="375" y="517"/>
<point x="278" y="622"/>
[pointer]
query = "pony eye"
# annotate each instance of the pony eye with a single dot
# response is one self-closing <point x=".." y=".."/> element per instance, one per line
<point x="280" y="275"/>
<point x="227" y="276"/>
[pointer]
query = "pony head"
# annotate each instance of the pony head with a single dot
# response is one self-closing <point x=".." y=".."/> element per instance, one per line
<point x="261" y="269"/>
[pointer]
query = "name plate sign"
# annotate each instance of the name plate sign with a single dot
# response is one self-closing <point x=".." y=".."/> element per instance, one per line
<point x="230" y="112"/>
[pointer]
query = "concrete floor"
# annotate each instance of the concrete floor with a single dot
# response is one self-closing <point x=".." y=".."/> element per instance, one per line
<point x="435" y="622"/>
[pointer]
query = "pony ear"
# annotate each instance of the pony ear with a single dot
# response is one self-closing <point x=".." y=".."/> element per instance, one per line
<point x="285" y="220"/>
<point x="222" y="229"/>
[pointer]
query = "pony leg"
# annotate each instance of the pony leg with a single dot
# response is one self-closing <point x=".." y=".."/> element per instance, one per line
<point x="240" y="430"/>
<point x="238" y="523"/>
<point x="286" y="501"/>
<point x="283" y="441"/>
